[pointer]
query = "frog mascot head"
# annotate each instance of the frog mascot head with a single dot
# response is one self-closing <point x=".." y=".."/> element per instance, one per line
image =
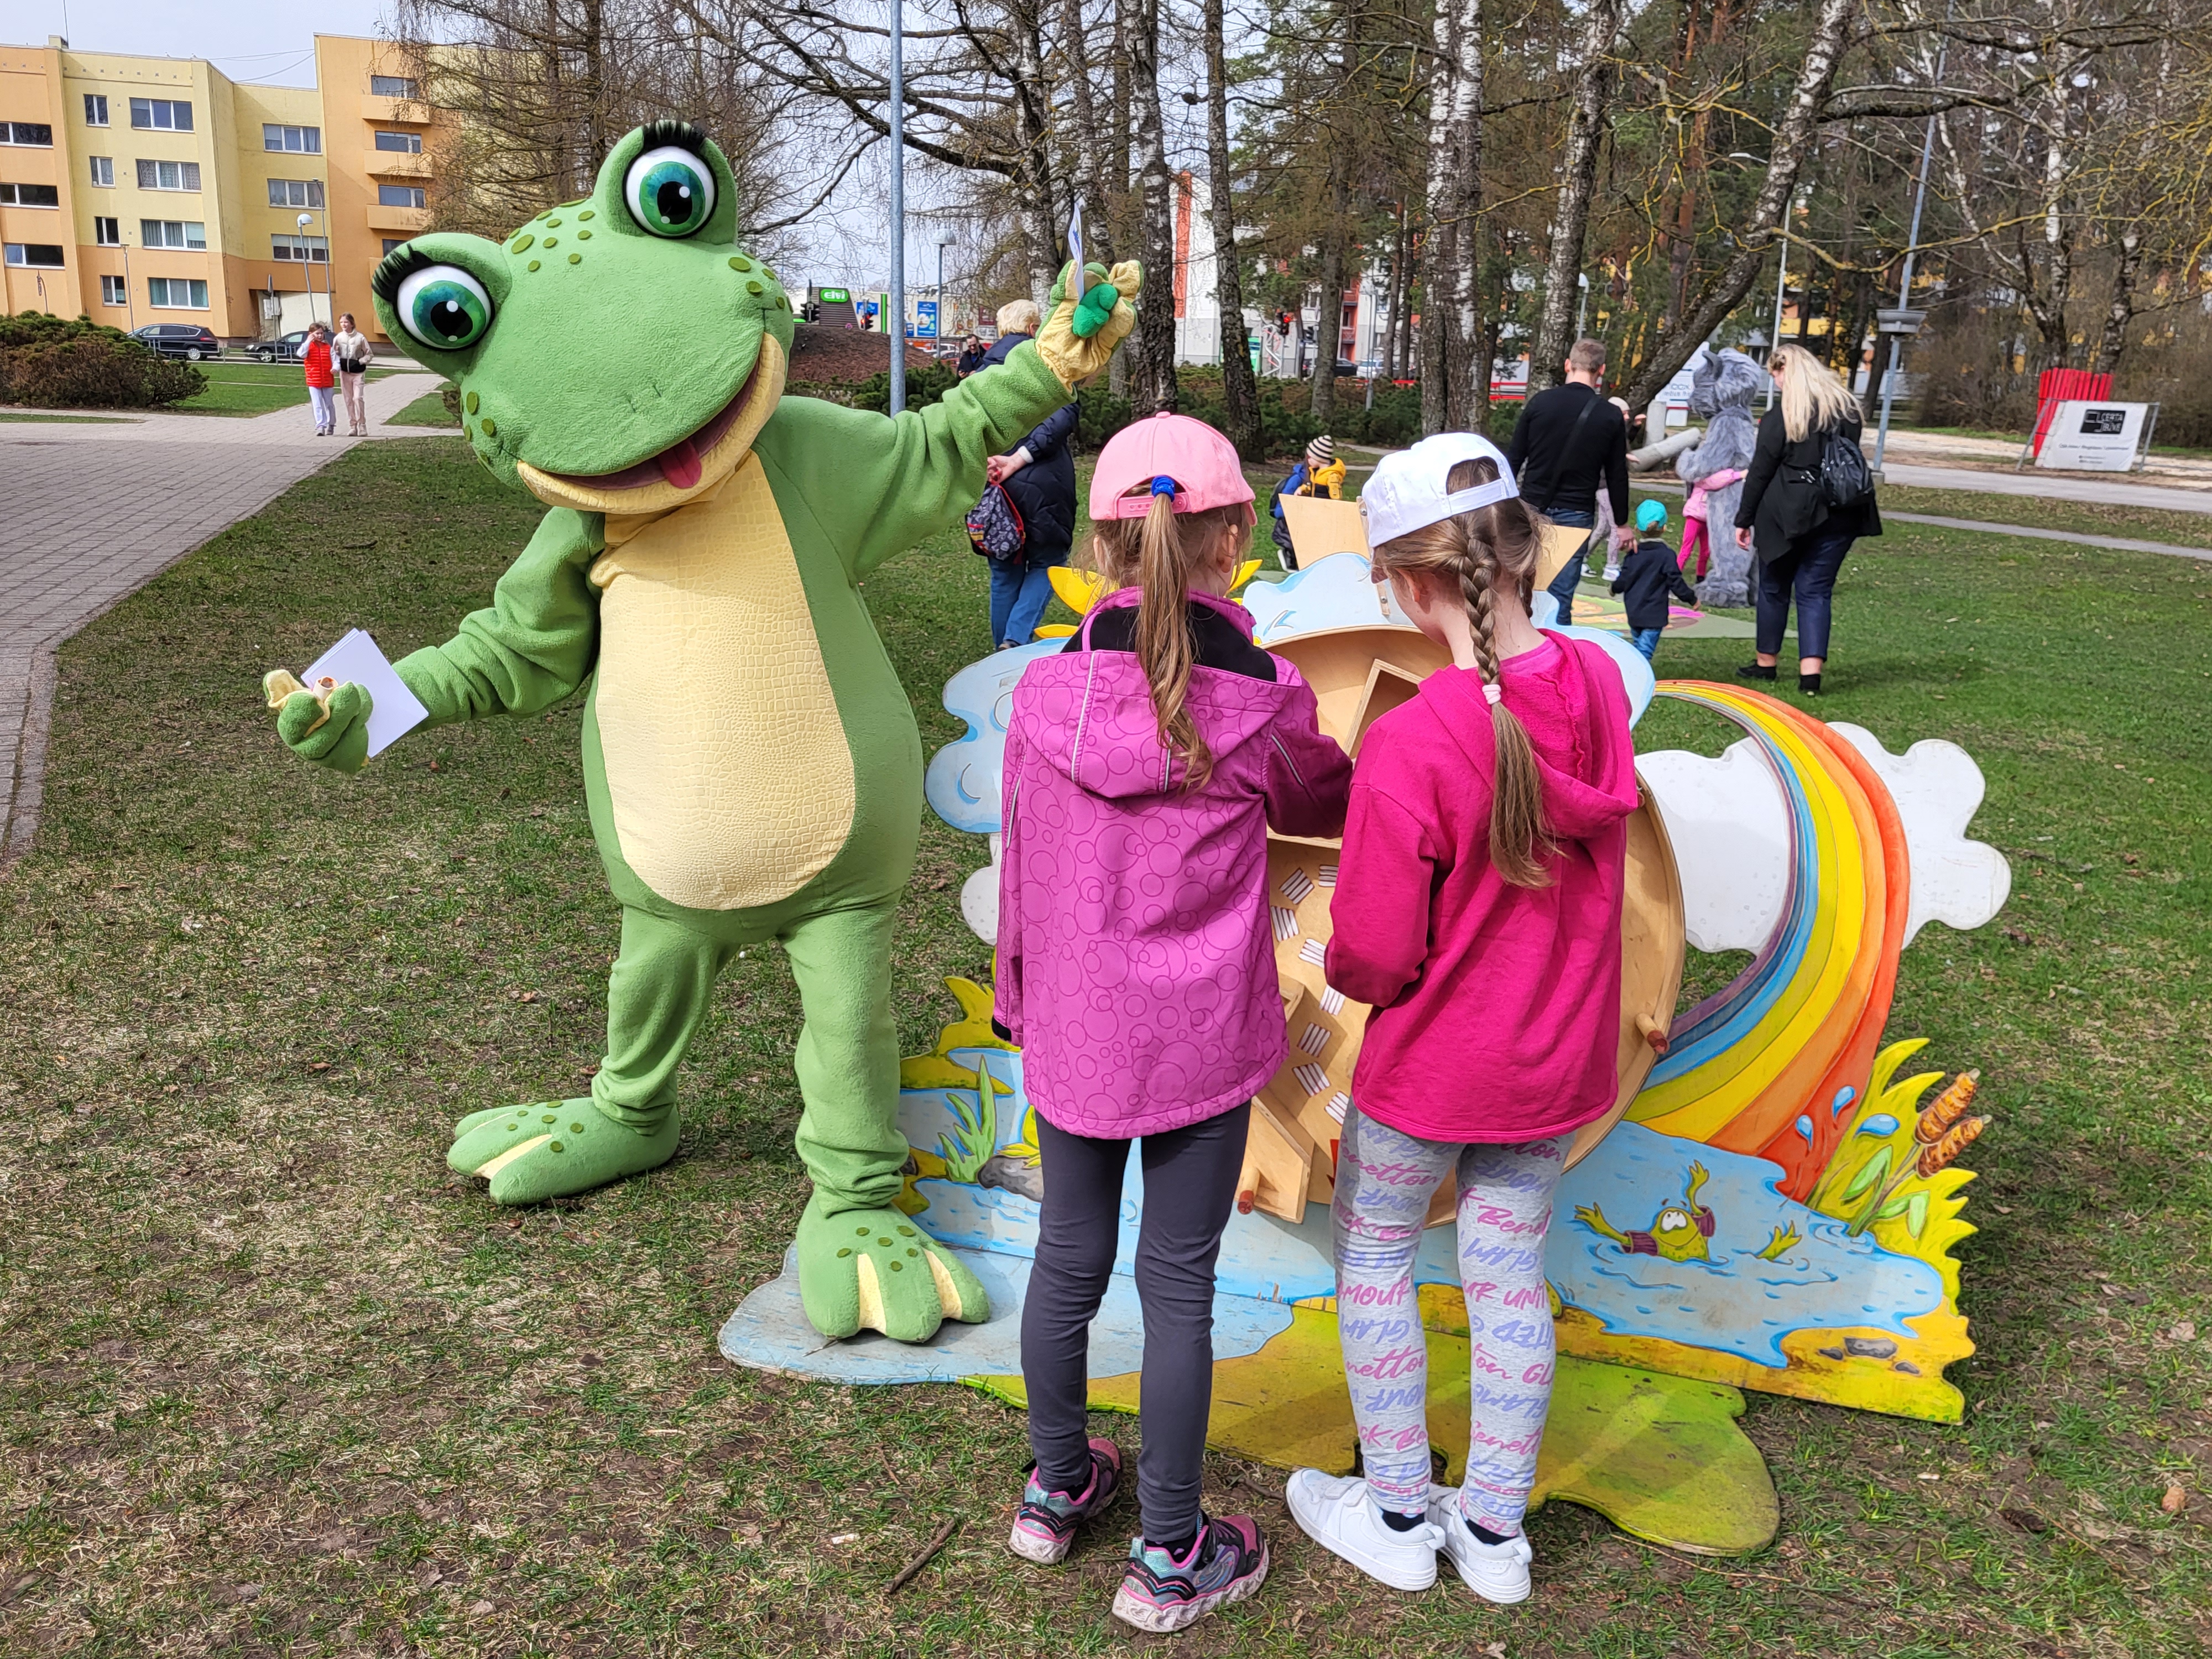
<point x="752" y="764"/>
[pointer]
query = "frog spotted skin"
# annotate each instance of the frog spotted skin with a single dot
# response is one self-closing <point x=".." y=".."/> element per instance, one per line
<point x="750" y="762"/>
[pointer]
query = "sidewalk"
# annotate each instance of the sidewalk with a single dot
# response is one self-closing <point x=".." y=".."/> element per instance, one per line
<point x="95" y="512"/>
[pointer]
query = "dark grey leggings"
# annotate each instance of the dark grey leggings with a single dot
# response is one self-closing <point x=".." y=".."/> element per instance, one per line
<point x="1190" y="1181"/>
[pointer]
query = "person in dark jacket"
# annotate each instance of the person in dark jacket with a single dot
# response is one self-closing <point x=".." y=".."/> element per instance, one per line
<point x="970" y="359"/>
<point x="1569" y="442"/>
<point x="1648" y="573"/>
<point x="1319" y="473"/>
<point x="1798" y="539"/>
<point x="1038" y="474"/>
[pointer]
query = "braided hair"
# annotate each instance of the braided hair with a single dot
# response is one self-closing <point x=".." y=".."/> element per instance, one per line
<point x="1491" y="552"/>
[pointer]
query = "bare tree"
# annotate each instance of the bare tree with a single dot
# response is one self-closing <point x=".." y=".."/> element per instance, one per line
<point x="1240" y="393"/>
<point x="1153" y="376"/>
<point x="1595" y="77"/>
<point x="1452" y="196"/>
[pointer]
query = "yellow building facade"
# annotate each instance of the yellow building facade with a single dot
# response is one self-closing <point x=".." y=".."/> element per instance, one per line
<point x="157" y="190"/>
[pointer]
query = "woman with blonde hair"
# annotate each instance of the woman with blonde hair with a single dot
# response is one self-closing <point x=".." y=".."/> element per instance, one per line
<point x="1804" y="503"/>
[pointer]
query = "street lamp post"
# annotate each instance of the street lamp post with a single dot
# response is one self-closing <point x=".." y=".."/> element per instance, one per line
<point x="896" y="320"/>
<point x="1904" y="285"/>
<point x="307" y="254"/>
<point x="943" y="243"/>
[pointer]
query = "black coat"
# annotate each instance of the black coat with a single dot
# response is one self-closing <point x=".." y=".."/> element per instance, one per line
<point x="1647" y="575"/>
<point x="1782" y="503"/>
<point x="1044" y="492"/>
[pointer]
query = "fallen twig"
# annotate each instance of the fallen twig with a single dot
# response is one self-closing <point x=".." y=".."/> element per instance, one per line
<point x="936" y="1543"/>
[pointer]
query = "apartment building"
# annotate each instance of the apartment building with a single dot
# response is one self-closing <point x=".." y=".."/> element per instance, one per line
<point x="145" y="190"/>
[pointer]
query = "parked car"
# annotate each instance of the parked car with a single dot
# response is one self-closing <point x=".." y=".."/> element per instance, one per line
<point x="193" y="341"/>
<point x="285" y="350"/>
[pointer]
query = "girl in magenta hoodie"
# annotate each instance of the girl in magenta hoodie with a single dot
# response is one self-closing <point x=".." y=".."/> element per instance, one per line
<point x="1136" y="970"/>
<point x="1478" y="913"/>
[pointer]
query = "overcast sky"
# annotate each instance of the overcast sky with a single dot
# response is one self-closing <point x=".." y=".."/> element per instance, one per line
<point x="267" y="41"/>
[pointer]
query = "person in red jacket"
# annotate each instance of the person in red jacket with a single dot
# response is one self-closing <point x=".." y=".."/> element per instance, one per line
<point x="1478" y="914"/>
<point x="315" y="352"/>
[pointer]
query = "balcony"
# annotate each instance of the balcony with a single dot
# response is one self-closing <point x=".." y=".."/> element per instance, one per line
<point x="399" y="221"/>
<point x="397" y="164"/>
<point x="401" y="112"/>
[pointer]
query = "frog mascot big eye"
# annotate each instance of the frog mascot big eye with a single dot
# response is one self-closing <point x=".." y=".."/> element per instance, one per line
<point x="752" y="764"/>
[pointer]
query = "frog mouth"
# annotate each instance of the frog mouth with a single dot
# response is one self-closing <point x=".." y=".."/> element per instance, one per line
<point x="680" y="465"/>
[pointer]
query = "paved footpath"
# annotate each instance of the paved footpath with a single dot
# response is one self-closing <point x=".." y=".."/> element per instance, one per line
<point x="95" y="512"/>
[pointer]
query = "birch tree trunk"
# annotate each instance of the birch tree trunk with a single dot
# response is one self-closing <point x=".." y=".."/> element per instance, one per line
<point x="1328" y="315"/>
<point x="1595" y="75"/>
<point x="1089" y="177"/>
<point x="1152" y="378"/>
<point x="1451" y="194"/>
<point x="1793" y="140"/>
<point x="1041" y="216"/>
<point x="1240" y="392"/>
<point x="2113" y="342"/>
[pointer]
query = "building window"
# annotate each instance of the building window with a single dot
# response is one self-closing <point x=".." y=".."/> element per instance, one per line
<point x="103" y="171"/>
<point x="107" y="233"/>
<point x="111" y="292"/>
<point x="30" y="196"/>
<point x="299" y="250"/>
<point x="394" y="86"/>
<point x="393" y="244"/>
<point x="34" y="135"/>
<point x="406" y="143"/>
<point x="177" y="293"/>
<point x="168" y="176"/>
<point x="43" y="256"/>
<point x="95" y="109"/>
<point x="187" y="234"/>
<point x="295" y="192"/>
<point x="160" y="115"/>
<point x="293" y="140"/>
<point x="406" y="195"/>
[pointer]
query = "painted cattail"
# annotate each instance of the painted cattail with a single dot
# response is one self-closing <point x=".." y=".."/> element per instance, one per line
<point x="1947" y="1108"/>
<point x="1955" y="1140"/>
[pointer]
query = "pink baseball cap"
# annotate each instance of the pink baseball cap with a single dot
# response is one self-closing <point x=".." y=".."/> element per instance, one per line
<point x="1198" y="462"/>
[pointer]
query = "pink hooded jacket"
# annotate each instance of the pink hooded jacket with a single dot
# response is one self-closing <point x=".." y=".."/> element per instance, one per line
<point x="1496" y="1008"/>
<point x="1136" y="964"/>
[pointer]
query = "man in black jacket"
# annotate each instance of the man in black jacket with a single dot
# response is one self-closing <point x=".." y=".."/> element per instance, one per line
<point x="1569" y="442"/>
<point x="1038" y="474"/>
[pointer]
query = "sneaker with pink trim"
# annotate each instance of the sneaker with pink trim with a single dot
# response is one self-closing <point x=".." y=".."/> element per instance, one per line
<point x="1044" y="1526"/>
<point x="1228" y="1560"/>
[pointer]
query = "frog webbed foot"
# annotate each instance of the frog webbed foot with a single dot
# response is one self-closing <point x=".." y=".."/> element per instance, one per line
<point x="1783" y="1237"/>
<point x="552" y="1148"/>
<point x="873" y="1269"/>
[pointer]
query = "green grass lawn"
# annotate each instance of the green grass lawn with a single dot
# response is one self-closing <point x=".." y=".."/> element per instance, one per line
<point x="236" y="387"/>
<point x="274" y="1381"/>
<point x="428" y="410"/>
<point x="2153" y="524"/>
<point x="62" y="420"/>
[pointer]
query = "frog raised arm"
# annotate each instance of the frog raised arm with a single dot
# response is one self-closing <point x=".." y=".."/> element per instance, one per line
<point x="752" y="764"/>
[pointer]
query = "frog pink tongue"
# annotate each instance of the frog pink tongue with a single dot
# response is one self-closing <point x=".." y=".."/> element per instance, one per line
<point x="679" y="463"/>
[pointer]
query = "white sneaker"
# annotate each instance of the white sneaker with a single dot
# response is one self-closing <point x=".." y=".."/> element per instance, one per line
<point x="1496" y="1572"/>
<point x="1337" y="1514"/>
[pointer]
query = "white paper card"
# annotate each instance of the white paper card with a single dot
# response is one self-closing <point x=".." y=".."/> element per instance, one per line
<point x="394" y="711"/>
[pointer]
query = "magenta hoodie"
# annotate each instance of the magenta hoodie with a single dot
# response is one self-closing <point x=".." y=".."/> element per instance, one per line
<point x="1496" y="1008"/>
<point x="1136" y="964"/>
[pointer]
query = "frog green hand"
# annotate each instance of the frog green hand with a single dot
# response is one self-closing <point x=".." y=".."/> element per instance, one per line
<point x="1079" y="336"/>
<point x="874" y="1270"/>
<point x="330" y="731"/>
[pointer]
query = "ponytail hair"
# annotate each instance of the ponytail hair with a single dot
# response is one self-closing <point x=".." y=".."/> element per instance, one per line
<point x="1490" y="552"/>
<point x="1154" y="554"/>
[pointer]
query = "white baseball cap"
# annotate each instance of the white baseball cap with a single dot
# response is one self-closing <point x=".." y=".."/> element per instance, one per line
<point x="1407" y="492"/>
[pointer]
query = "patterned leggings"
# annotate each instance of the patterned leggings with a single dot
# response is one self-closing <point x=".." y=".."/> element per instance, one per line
<point x="1383" y="1183"/>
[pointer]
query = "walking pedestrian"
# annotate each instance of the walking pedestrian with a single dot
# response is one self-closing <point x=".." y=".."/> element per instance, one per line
<point x="1802" y="508"/>
<point x="315" y="353"/>
<point x="351" y="348"/>
<point x="1570" y="443"/>
<point x="1038" y="476"/>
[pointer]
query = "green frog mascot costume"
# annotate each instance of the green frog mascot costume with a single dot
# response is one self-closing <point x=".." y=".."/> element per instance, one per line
<point x="752" y="764"/>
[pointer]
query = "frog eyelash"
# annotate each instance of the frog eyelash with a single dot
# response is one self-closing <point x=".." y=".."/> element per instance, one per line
<point x="682" y="134"/>
<point x="395" y="268"/>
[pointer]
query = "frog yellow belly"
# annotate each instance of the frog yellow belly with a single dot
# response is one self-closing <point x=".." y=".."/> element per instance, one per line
<point x="727" y="771"/>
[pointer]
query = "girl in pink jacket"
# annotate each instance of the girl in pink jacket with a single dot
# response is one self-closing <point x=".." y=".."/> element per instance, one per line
<point x="1478" y="913"/>
<point x="1136" y="969"/>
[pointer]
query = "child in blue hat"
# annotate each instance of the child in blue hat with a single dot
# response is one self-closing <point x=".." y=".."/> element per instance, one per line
<point x="1647" y="575"/>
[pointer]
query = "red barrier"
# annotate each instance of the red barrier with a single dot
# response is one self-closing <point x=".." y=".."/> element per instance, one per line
<point x="2057" y="385"/>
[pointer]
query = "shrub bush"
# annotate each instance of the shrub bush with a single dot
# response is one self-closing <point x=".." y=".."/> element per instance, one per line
<point x="48" y="362"/>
